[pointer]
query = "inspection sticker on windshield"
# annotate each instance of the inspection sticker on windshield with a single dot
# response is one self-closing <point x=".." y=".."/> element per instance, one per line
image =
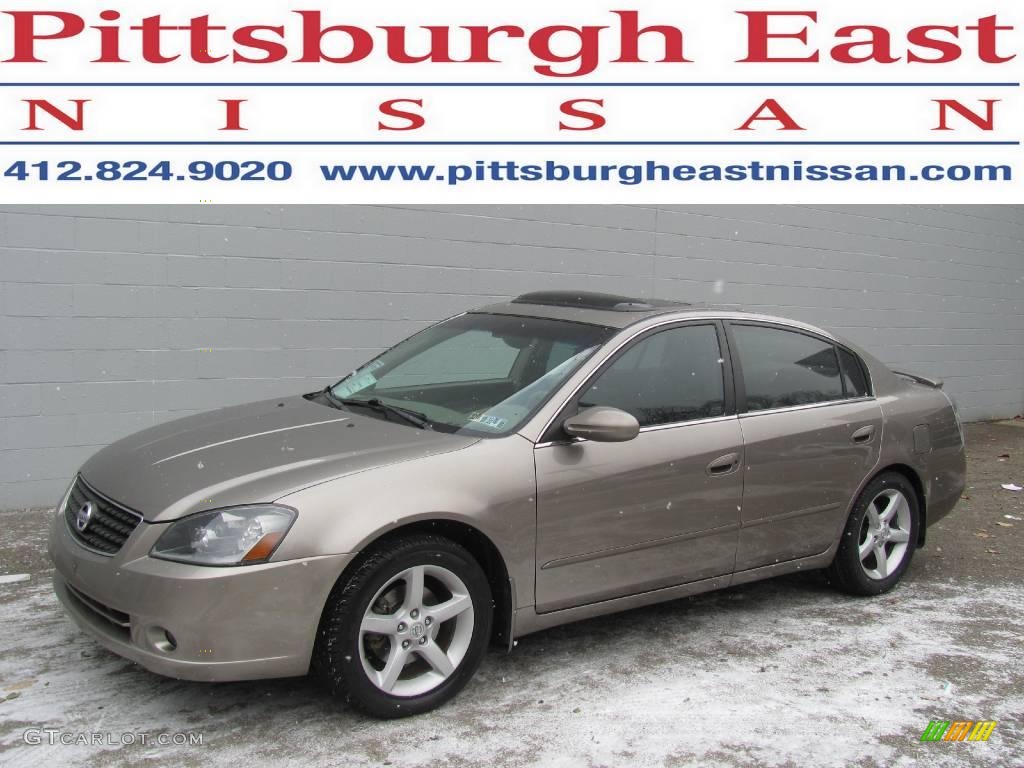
<point x="355" y="384"/>
<point x="494" y="422"/>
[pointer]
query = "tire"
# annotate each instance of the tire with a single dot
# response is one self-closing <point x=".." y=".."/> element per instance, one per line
<point x="401" y="669"/>
<point x="872" y="556"/>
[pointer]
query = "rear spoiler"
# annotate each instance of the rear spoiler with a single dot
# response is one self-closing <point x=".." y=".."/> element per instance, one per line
<point x="933" y="383"/>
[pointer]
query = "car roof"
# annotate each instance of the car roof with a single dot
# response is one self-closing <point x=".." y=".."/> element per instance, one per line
<point x="604" y="309"/>
<point x="615" y="311"/>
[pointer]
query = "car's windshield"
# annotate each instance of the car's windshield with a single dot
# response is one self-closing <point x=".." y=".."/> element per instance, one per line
<point x="474" y="374"/>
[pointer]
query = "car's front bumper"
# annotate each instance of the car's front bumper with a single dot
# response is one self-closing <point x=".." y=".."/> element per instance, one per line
<point x="237" y="623"/>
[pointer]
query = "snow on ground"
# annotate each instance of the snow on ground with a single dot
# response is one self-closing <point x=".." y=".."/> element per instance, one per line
<point x="782" y="673"/>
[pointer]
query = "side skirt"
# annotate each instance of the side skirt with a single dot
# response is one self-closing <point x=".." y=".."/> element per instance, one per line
<point x="526" y="620"/>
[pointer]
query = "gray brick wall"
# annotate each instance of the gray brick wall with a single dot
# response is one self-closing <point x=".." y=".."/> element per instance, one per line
<point x="114" y="318"/>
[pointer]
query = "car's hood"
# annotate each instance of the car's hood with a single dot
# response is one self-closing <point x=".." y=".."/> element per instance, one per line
<point x="250" y="453"/>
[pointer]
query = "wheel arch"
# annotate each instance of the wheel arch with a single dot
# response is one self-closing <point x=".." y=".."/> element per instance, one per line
<point x="479" y="545"/>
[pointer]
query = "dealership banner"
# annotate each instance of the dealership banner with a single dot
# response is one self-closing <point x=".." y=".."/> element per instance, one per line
<point x="577" y="101"/>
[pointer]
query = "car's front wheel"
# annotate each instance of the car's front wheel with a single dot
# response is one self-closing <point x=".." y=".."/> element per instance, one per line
<point x="406" y="629"/>
<point x="879" y="539"/>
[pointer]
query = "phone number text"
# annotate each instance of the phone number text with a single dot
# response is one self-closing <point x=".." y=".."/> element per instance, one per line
<point x="137" y="170"/>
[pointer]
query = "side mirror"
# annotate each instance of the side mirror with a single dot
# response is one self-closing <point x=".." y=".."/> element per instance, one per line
<point x="603" y="425"/>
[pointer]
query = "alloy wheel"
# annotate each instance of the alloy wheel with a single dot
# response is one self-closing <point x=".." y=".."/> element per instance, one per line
<point x="885" y="534"/>
<point x="416" y="630"/>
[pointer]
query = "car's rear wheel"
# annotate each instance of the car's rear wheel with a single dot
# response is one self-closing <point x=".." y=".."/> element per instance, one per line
<point x="879" y="539"/>
<point x="406" y="630"/>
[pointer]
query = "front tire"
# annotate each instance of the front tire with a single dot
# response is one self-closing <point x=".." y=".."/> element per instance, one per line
<point x="878" y="542"/>
<point x="406" y="630"/>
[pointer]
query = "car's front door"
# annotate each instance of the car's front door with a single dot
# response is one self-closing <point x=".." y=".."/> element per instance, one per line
<point x="811" y="434"/>
<point x="663" y="509"/>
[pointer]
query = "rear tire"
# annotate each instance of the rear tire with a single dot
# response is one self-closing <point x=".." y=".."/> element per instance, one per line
<point x="879" y="539"/>
<point x="406" y="629"/>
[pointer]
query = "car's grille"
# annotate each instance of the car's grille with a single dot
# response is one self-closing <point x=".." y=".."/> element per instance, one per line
<point x="108" y="527"/>
<point x="121" y="621"/>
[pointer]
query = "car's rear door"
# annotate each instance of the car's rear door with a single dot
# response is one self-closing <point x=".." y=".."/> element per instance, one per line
<point x="615" y="519"/>
<point x="811" y="434"/>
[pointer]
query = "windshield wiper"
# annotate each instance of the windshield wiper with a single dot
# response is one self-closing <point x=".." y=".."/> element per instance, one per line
<point x="413" y="417"/>
<point x="329" y="396"/>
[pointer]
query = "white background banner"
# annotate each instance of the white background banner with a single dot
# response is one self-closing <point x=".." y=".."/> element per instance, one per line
<point x="641" y="101"/>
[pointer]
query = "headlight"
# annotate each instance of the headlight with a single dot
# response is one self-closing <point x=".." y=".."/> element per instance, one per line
<point x="233" y="536"/>
<point x="65" y="497"/>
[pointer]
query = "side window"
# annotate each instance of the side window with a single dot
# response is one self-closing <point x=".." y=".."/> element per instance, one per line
<point x="785" y="368"/>
<point x="672" y="376"/>
<point x="469" y="356"/>
<point x="853" y="374"/>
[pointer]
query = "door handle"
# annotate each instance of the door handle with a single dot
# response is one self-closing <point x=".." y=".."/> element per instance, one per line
<point x="724" y="465"/>
<point x="863" y="435"/>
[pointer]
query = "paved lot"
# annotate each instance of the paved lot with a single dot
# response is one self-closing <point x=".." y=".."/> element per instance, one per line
<point x="782" y="673"/>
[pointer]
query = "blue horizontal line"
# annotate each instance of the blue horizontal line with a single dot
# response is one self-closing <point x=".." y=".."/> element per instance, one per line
<point x="574" y="84"/>
<point x="518" y="143"/>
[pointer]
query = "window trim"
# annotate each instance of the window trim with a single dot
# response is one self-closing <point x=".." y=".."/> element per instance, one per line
<point x="550" y="436"/>
<point x="742" y="409"/>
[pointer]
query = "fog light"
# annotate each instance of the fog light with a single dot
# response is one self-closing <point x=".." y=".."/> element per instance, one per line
<point x="161" y="639"/>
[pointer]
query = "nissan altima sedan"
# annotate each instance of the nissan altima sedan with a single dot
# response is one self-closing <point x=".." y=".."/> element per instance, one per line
<point x="524" y="465"/>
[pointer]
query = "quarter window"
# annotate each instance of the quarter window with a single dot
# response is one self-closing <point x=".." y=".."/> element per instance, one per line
<point x="784" y="368"/>
<point x="669" y="377"/>
<point x="853" y="374"/>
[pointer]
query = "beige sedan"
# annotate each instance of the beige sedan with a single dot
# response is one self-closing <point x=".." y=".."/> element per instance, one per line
<point x="525" y="465"/>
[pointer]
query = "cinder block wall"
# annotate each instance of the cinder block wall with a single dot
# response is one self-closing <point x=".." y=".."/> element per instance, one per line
<point x="114" y="318"/>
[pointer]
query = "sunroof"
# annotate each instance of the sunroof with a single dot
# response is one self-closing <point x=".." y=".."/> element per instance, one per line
<point x="586" y="300"/>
